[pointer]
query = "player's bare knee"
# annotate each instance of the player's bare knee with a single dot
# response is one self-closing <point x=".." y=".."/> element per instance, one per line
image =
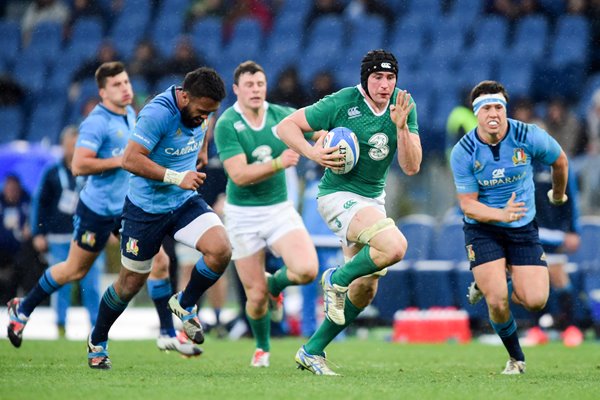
<point x="306" y="275"/>
<point x="497" y="303"/>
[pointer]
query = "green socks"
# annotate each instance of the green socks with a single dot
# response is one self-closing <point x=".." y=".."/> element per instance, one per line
<point x="261" y="329"/>
<point x="278" y="281"/>
<point x="360" y="265"/>
<point x="328" y="330"/>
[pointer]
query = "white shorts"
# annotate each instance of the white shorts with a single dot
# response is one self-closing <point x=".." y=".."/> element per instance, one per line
<point x="338" y="209"/>
<point x="250" y="229"/>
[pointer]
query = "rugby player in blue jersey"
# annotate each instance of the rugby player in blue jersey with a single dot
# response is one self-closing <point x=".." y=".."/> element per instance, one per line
<point x="99" y="152"/>
<point x="162" y="200"/>
<point x="493" y="174"/>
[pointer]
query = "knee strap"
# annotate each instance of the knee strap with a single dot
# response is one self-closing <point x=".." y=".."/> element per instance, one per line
<point x="369" y="233"/>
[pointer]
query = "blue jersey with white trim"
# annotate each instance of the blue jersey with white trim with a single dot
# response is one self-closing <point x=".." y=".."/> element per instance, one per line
<point x="495" y="172"/>
<point x="171" y="145"/>
<point x="106" y="133"/>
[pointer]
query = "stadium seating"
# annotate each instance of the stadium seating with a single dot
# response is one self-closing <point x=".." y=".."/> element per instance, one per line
<point x="432" y="284"/>
<point x="207" y="38"/>
<point x="531" y="38"/>
<point x="246" y="41"/>
<point x="395" y="291"/>
<point x="12" y="123"/>
<point x="46" y="122"/>
<point x="419" y="231"/>
<point x="588" y="254"/>
<point x="166" y="32"/>
<point x="323" y="46"/>
<point x="450" y="241"/>
<point x="10" y="41"/>
<point x="86" y="37"/>
<point x="46" y="41"/>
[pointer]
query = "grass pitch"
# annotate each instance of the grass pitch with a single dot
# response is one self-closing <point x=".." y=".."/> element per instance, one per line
<point x="371" y="370"/>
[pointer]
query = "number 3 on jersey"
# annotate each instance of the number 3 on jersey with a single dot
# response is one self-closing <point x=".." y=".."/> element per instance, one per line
<point x="380" y="149"/>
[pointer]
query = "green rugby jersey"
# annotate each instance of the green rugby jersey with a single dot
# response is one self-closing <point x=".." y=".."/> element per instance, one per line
<point x="234" y="135"/>
<point x="376" y="136"/>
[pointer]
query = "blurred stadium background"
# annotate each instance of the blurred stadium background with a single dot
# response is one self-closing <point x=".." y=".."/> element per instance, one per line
<point x="540" y="49"/>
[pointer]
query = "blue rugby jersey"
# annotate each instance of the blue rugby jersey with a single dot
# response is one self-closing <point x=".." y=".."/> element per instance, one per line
<point x="172" y="145"/>
<point x="106" y="133"/>
<point x="495" y="172"/>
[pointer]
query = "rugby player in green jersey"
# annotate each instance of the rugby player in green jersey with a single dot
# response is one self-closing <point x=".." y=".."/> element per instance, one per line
<point x="384" y="119"/>
<point x="257" y="211"/>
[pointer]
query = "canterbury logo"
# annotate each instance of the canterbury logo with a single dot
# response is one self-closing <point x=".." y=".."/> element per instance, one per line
<point x="353" y="112"/>
<point x="386" y="65"/>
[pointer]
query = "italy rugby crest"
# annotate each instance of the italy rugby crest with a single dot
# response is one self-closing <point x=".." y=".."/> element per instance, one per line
<point x="519" y="157"/>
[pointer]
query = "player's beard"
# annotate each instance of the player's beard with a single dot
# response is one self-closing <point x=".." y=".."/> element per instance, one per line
<point x="187" y="119"/>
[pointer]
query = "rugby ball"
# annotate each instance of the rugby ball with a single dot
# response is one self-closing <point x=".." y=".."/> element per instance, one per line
<point x="349" y="148"/>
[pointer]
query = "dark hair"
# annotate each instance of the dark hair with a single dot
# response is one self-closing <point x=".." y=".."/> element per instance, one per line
<point x="377" y="61"/>
<point x="249" y="67"/>
<point x="107" y="70"/>
<point x="488" y="87"/>
<point x="204" y="82"/>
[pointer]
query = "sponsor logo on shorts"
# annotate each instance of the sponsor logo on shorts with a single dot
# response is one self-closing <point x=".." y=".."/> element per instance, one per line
<point x="470" y="252"/>
<point x="543" y="256"/>
<point x="349" y="204"/>
<point x="88" y="238"/>
<point x="132" y="246"/>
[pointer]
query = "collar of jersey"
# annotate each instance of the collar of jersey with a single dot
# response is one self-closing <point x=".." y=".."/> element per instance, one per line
<point x="364" y="95"/>
<point x="237" y="109"/>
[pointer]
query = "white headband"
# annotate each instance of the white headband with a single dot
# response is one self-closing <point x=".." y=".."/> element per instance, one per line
<point x="496" y="98"/>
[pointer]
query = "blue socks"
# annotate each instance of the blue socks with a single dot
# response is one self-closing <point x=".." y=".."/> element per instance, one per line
<point x="508" y="333"/>
<point x="111" y="307"/>
<point x="160" y="292"/>
<point x="202" y="278"/>
<point x="45" y="287"/>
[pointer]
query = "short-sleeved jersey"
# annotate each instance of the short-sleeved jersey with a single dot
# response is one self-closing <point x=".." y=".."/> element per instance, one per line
<point x="106" y="133"/>
<point x="172" y="145"/>
<point x="234" y="135"/>
<point x="495" y="172"/>
<point x="376" y="135"/>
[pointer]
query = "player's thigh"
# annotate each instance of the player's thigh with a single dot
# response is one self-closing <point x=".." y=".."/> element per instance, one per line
<point x="251" y="271"/>
<point x="531" y="284"/>
<point x="297" y="250"/>
<point x="491" y="280"/>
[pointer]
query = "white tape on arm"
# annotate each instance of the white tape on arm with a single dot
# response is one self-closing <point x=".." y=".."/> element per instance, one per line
<point x="556" y="202"/>
<point x="174" y="177"/>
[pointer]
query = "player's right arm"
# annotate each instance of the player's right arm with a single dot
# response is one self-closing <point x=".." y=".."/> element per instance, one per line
<point x="86" y="162"/>
<point x="291" y="131"/>
<point x="85" y="159"/>
<point x="137" y="161"/>
<point x="467" y="189"/>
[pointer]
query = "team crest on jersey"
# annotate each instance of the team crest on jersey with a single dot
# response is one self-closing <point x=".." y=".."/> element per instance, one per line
<point x="88" y="238"/>
<point x="132" y="246"/>
<point x="519" y="157"/>
<point x="470" y="252"/>
<point x="477" y="166"/>
<point x="349" y="204"/>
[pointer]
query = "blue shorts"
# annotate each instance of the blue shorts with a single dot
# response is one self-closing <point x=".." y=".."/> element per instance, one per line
<point x="142" y="233"/>
<point x="520" y="246"/>
<point x="91" y="231"/>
